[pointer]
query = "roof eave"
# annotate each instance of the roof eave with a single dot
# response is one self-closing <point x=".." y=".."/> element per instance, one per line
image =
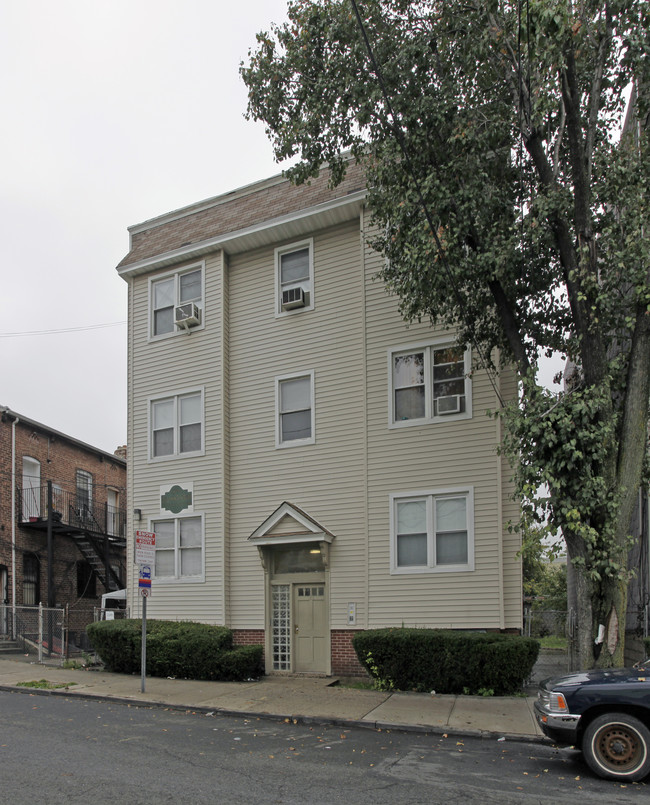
<point x="286" y="227"/>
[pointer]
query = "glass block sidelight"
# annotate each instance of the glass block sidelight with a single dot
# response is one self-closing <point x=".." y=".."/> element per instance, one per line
<point x="281" y="594"/>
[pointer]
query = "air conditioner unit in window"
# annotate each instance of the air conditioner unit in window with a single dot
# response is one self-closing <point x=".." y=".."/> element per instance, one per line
<point x="293" y="298"/>
<point x="187" y="315"/>
<point x="448" y="405"/>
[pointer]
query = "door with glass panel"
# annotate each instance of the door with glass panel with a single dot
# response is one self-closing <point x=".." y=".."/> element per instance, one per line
<point x="299" y="638"/>
<point x="309" y="628"/>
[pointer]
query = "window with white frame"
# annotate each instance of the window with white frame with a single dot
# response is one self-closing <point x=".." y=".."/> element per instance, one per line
<point x="295" y="410"/>
<point x="176" y="425"/>
<point x="170" y="292"/>
<point x="432" y="531"/>
<point x="179" y="548"/>
<point x="294" y="278"/>
<point x="430" y="383"/>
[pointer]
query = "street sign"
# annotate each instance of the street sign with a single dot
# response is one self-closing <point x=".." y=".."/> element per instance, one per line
<point x="145" y="592"/>
<point x="145" y="547"/>
<point x="144" y="576"/>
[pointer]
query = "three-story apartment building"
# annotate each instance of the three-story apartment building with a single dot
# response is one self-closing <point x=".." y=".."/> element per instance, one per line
<point x="310" y="465"/>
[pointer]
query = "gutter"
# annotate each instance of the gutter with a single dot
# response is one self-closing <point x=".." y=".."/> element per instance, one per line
<point x="254" y="236"/>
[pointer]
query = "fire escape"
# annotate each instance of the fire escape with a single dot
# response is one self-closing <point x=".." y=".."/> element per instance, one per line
<point x="97" y="529"/>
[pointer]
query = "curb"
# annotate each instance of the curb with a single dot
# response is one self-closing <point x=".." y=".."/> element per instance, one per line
<point x="295" y="718"/>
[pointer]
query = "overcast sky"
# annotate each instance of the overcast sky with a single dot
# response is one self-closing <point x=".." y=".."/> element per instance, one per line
<point x="114" y="111"/>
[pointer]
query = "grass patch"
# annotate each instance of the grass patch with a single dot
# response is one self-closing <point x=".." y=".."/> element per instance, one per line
<point x="45" y="685"/>
<point x="360" y="684"/>
<point x="553" y="641"/>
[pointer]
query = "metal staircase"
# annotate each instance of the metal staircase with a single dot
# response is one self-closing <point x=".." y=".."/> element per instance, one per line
<point x="97" y="530"/>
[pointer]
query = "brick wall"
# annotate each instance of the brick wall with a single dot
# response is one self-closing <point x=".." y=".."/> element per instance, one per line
<point x="59" y="458"/>
<point x="248" y="637"/>
<point x="344" y="658"/>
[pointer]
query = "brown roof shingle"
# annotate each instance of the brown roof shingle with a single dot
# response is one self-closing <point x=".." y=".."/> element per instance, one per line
<point x="232" y="212"/>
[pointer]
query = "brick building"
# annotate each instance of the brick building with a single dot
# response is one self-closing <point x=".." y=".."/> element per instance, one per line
<point x="62" y="523"/>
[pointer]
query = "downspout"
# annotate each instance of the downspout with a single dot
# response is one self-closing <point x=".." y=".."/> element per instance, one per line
<point x="13" y="520"/>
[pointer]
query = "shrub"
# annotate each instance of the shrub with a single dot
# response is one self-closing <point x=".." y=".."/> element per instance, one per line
<point x="447" y="661"/>
<point x="184" y="650"/>
<point x="646" y="643"/>
<point x="117" y="643"/>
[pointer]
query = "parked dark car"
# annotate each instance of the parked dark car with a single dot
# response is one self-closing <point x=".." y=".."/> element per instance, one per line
<point x="606" y="714"/>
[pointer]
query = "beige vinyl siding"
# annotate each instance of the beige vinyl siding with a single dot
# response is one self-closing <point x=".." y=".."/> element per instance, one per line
<point x="324" y="479"/>
<point x="439" y="455"/>
<point x="164" y="367"/>
<point x="344" y="479"/>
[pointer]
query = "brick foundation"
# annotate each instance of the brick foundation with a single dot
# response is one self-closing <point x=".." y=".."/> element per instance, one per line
<point x="344" y="658"/>
<point x="248" y="637"/>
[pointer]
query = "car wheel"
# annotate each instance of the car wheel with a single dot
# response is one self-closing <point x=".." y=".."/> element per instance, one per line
<point x="617" y="746"/>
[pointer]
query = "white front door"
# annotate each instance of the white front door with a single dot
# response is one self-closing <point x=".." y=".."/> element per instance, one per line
<point x="112" y="526"/>
<point x="31" y="488"/>
<point x="310" y="632"/>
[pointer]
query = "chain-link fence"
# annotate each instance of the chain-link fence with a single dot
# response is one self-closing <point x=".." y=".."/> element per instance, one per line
<point x="542" y="623"/>
<point x="545" y="622"/>
<point x="54" y="635"/>
<point x="39" y="632"/>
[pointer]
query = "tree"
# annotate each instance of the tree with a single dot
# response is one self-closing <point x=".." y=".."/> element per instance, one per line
<point x="510" y="211"/>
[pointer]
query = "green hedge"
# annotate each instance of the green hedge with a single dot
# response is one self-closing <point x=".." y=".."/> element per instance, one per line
<point x="447" y="661"/>
<point x="646" y="643"/>
<point x="179" y="649"/>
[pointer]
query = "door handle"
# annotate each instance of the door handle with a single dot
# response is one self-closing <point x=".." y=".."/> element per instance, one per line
<point x="296" y="629"/>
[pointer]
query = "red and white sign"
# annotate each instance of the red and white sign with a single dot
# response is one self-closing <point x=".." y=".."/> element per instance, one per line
<point x="145" y="547"/>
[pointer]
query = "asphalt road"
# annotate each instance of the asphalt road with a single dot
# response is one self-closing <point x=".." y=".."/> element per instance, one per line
<point x="58" y="749"/>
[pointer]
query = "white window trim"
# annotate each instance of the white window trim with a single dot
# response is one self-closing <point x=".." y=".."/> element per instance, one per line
<point x="176" y="273"/>
<point x="294" y="247"/>
<point x="428" y="417"/>
<point x="278" y="430"/>
<point x="198" y="579"/>
<point x="175" y="456"/>
<point x="429" y="495"/>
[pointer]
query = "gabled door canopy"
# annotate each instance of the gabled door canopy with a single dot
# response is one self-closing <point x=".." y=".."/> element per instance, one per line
<point x="289" y="525"/>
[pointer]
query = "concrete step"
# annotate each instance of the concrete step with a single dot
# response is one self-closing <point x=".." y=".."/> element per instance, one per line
<point x="10" y="647"/>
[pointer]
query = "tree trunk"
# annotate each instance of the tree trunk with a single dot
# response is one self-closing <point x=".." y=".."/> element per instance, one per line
<point x="581" y="619"/>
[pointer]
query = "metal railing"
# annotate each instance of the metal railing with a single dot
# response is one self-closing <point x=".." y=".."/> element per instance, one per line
<point x="72" y="509"/>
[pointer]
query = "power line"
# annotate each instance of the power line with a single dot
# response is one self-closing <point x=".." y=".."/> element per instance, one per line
<point x="25" y="333"/>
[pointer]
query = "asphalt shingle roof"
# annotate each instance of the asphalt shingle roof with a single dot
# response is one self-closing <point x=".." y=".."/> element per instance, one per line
<point x="235" y="211"/>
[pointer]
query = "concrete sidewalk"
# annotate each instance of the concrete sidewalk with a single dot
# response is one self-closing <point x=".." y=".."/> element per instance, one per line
<point x="303" y="699"/>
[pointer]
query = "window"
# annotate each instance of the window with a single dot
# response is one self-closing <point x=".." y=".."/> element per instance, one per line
<point x="31" y="580"/>
<point x="430" y="383"/>
<point x="84" y="500"/>
<point x="294" y="278"/>
<point x="295" y="410"/>
<point x="172" y="290"/>
<point x="177" y="425"/>
<point x="432" y="531"/>
<point x="179" y="548"/>
<point x="86" y="580"/>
